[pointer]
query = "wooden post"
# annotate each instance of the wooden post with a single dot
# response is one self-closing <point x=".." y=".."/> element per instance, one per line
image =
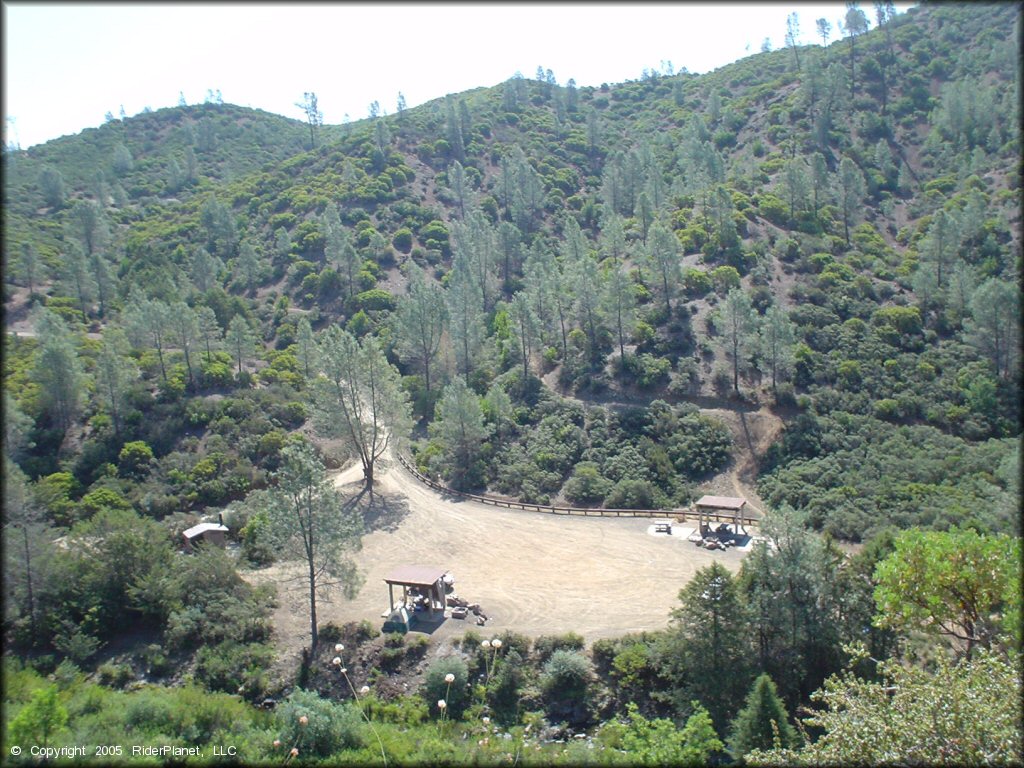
<point x="391" y="599"/>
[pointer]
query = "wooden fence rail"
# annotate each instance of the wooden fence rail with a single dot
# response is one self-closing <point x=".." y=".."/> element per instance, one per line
<point x="582" y="511"/>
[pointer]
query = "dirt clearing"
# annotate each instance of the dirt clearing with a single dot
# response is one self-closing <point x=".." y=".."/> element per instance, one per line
<point x="533" y="573"/>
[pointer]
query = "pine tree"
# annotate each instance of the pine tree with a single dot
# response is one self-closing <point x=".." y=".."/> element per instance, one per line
<point x="819" y="180"/>
<point x="420" y="322"/>
<point x="147" y="322"/>
<point x="855" y="23"/>
<point x="762" y="722"/>
<point x="114" y="375"/>
<point x="777" y="338"/>
<point x="663" y="256"/>
<point x="210" y="334"/>
<point x="588" y="289"/>
<point x="796" y="185"/>
<point x="849" y="193"/>
<point x="27" y="552"/>
<point x="459" y="185"/>
<point x="30" y="268"/>
<point x="708" y="632"/>
<point x="248" y="265"/>
<point x="204" y="270"/>
<point x="466" y="319"/>
<point x="792" y="35"/>
<point x="307" y="518"/>
<point x="240" y="340"/>
<point x="524" y="326"/>
<point x="459" y="426"/>
<point x="77" y="277"/>
<point x="51" y="182"/>
<point x="994" y="325"/>
<point x="550" y="295"/>
<point x="620" y="304"/>
<point x="940" y="245"/>
<point x="359" y="397"/>
<point x="738" y="324"/>
<point x="305" y="347"/>
<point x="57" y="369"/>
<point x="17" y="427"/>
<point x="184" y="328"/>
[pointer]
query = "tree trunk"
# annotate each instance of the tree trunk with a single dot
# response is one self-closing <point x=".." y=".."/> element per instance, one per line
<point x="314" y="637"/>
<point x="28" y="582"/>
<point x="736" y="361"/>
<point x="160" y="355"/>
<point x="188" y="365"/>
<point x="368" y="477"/>
<point x="622" y="346"/>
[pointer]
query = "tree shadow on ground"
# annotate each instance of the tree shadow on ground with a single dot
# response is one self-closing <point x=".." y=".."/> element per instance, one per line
<point x="380" y="512"/>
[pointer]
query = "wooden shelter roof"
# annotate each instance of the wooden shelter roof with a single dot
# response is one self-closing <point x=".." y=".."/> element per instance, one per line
<point x="722" y="502"/>
<point x="415" y="575"/>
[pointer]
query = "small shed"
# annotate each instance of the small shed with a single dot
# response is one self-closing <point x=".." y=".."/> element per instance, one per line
<point x="213" y="533"/>
<point x="716" y="508"/>
<point x="426" y="580"/>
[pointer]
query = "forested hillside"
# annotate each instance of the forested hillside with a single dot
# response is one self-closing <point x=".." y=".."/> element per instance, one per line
<point x="549" y="293"/>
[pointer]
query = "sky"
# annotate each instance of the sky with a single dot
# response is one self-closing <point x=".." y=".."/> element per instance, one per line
<point x="67" y="65"/>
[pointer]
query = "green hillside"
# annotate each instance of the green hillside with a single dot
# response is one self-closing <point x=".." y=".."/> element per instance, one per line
<point x="560" y="295"/>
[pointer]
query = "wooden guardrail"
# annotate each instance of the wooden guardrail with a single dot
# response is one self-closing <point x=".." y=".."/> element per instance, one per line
<point x="582" y="511"/>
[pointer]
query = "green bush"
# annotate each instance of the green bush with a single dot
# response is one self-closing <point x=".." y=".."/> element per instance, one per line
<point x="232" y="667"/>
<point x="565" y="685"/>
<point x="504" y="690"/>
<point x="115" y="675"/>
<point x="633" y="494"/>
<point x="135" y="458"/>
<point x="327" y="728"/>
<point x="375" y="299"/>
<point x="402" y="241"/>
<point x="696" y="283"/>
<point x="546" y="645"/>
<point x="455" y="694"/>
<point x="587" y="485"/>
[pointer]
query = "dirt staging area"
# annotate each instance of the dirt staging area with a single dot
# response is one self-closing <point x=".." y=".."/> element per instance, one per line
<point x="533" y="573"/>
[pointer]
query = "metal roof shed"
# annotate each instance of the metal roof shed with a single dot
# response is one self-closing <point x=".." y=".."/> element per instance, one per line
<point x="211" y="532"/>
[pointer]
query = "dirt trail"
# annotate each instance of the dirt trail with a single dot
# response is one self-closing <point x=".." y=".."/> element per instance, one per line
<point x="753" y="432"/>
<point x="753" y="429"/>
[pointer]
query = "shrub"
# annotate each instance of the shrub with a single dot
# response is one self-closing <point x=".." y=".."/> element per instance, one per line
<point x="633" y="494"/>
<point x="375" y="298"/>
<point x="230" y="666"/>
<point x="456" y="694"/>
<point x="696" y="283"/>
<point x="725" y="278"/>
<point x="546" y="645"/>
<point x="402" y="241"/>
<point x="503" y="691"/>
<point x="328" y="727"/>
<point x="102" y="498"/>
<point x="587" y="485"/>
<point x="565" y="683"/>
<point x="135" y="458"/>
<point x="116" y="675"/>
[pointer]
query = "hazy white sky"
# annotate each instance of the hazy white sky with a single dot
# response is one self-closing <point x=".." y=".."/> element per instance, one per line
<point x="66" y="65"/>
